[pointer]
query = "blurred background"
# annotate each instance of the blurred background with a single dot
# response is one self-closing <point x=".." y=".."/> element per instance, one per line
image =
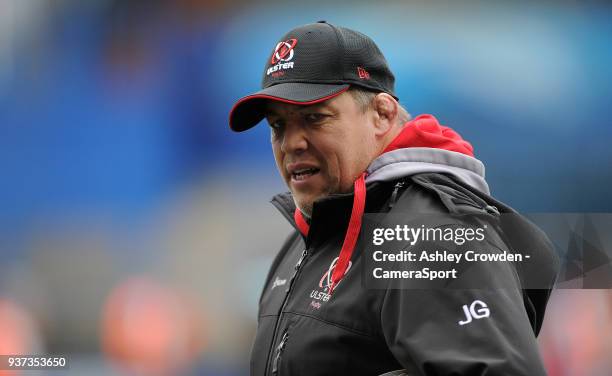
<point x="135" y="228"/>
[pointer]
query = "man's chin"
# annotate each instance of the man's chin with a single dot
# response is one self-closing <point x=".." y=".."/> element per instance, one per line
<point x="305" y="203"/>
<point x="304" y="198"/>
<point x="305" y="206"/>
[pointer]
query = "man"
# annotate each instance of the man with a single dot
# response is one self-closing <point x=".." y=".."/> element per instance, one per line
<point x="344" y="147"/>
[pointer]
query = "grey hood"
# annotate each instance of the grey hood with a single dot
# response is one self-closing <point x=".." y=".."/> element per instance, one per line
<point x="409" y="161"/>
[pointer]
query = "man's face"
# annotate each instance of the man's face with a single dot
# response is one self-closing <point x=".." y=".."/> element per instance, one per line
<point x="322" y="148"/>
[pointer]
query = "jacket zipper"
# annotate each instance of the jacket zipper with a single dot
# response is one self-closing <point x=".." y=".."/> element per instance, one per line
<point x="396" y="189"/>
<point x="299" y="263"/>
<point x="297" y="269"/>
<point x="279" y="351"/>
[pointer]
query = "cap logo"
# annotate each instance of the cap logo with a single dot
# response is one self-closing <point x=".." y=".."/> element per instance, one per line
<point x="363" y="74"/>
<point x="283" y="52"/>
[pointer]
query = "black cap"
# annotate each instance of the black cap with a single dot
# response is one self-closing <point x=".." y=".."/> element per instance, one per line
<point x="313" y="63"/>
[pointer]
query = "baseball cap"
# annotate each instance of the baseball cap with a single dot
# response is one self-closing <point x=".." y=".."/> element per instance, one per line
<point x="313" y="63"/>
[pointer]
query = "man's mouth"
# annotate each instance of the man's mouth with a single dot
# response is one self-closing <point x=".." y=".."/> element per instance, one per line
<point x="304" y="173"/>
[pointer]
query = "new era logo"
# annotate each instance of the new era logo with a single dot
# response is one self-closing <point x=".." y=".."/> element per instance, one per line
<point x="363" y="74"/>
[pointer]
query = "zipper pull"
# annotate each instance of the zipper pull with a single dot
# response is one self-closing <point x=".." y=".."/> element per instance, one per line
<point x="396" y="189"/>
<point x="299" y="263"/>
<point x="279" y="350"/>
<point x="296" y="268"/>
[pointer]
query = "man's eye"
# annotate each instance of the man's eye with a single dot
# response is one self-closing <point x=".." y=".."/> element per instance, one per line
<point x="314" y="117"/>
<point x="275" y="125"/>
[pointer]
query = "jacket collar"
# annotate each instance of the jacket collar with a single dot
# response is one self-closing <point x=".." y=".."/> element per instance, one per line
<point x="330" y="215"/>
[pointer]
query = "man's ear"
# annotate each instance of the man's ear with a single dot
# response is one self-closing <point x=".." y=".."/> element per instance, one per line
<point x="386" y="113"/>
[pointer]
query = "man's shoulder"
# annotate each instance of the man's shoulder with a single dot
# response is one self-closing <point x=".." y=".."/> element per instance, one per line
<point x="439" y="193"/>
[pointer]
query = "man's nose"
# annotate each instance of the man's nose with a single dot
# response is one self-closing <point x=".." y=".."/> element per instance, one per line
<point x="294" y="139"/>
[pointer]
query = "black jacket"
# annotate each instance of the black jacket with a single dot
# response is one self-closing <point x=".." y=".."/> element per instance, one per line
<point x="361" y="331"/>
